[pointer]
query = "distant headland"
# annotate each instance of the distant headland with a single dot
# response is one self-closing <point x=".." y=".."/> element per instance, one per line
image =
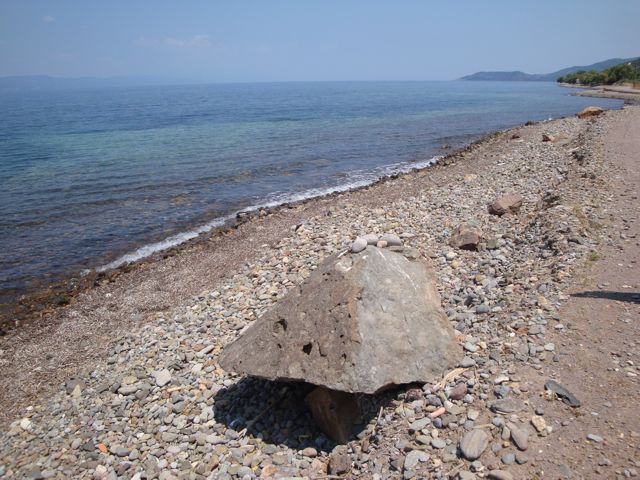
<point x="545" y="77"/>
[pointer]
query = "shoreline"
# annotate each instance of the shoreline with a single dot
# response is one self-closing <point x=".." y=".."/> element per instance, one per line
<point x="287" y="200"/>
<point x="630" y="96"/>
<point x="65" y="373"/>
<point x="46" y="296"/>
<point x="93" y="294"/>
<point x="46" y="299"/>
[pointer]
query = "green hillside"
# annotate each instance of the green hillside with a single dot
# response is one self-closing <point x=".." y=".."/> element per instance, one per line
<point x="623" y="72"/>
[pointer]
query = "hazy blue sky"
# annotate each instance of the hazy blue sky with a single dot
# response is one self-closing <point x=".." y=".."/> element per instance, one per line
<point x="269" y="40"/>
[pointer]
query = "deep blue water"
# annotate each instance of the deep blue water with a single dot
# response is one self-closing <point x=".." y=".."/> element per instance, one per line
<point x="90" y="175"/>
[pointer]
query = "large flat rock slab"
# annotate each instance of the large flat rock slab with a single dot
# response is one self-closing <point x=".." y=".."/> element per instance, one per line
<point x="360" y="323"/>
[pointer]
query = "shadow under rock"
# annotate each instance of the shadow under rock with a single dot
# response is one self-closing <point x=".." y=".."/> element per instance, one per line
<point x="276" y="412"/>
<point x="608" y="295"/>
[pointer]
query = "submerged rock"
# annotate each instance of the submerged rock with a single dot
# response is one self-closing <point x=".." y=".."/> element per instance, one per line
<point x="360" y="323"/>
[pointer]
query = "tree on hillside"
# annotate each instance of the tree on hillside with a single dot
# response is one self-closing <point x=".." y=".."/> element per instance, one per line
<point x="618" y="73"/>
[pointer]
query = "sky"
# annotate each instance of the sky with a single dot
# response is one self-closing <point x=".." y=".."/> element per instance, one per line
<point x="310" y="40"/>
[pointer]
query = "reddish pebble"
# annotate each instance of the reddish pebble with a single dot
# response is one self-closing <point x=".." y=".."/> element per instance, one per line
<point x="437" y="413"/>
<point x="458" y="392"/>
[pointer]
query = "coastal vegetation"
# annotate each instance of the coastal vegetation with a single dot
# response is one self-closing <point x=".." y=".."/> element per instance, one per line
<point x="624" y="72"/>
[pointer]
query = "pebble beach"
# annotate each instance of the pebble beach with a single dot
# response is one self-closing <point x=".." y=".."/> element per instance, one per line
<point x="141" y="395"/>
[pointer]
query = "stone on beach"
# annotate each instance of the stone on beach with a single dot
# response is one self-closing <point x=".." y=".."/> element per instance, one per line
<point x="334" y="412"/>
<point x="128" y="389"/>
<point x="359" y="245"/>
<point x="391" y="239"/>
<point x="506" y="405"/>
<point x="458" y="392"/>
<point x="25" y="424"/>
<point x="162" y="377"/>
<point x="547" y="137"/>
<point x="539" y="423"/>
<point x="509" y="203"/>
<point x="594" y="438"/>
<point x="359" y="323"/>
<point x="589" y="112"/>
<point x="565" y="395"/>
<point x="371" y="238"/>
<point x="339" y="463"/>
<point x="519" y="436"/>
<point x="500" y="475"/>
<point x="73" y="384"/>
<point x="414" y="457"/>
<point x="474" y="443"/>
<point x="466" y="237"/>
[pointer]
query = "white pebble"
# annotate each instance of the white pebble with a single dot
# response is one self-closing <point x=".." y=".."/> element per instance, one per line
<point x="359" y="245"/>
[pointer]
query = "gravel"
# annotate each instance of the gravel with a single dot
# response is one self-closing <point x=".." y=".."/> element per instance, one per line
<point x="161" y="407"/>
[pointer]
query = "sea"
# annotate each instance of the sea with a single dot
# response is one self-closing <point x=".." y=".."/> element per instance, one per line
<point x="91" y="179"/>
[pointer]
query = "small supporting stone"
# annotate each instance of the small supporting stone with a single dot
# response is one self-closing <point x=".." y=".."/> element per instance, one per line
<point x="334" y="412"/>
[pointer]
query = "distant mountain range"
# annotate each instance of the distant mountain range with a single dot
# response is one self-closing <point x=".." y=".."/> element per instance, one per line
<point x="544" y="77"/>
<point x="47" y="83"/>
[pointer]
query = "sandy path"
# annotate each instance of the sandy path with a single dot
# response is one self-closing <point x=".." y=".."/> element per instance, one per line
<point x="604" y="338"/>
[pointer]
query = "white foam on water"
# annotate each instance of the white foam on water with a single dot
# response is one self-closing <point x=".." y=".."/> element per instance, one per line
<point x="358" y="180"/>
<point x="169" y="242"/>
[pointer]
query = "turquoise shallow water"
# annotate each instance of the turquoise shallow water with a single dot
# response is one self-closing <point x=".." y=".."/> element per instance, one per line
<point x="91" y="175"/>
